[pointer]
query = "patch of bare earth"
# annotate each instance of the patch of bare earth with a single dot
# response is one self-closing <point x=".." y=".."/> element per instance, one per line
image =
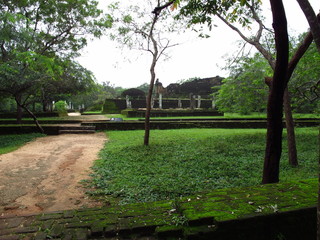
<point x="44" y="175"/>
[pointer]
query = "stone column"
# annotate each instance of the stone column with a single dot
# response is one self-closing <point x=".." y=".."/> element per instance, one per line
<point x="199" y="101"/>
<point x="160" y="100"/>
<point x="213" y="103"/>
<point x="179" y="103"/>
<point x="128" y="102"/>
<point x="192" y="101"/>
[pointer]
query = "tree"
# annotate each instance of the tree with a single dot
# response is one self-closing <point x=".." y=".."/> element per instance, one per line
<point x="243" y="91"/>
<point x="134" y="93"/>
<point x="275" y="100"/>
<point x="144" y="29"/>
<point x="35" y="33"/>
<point x="144" y="87"/>
<point x="305" y="82"/>
<point x="315" y="30"/>
<point x="94" y="97"/>
<point x="243" y="14"/>
<point x="74" y="79"/>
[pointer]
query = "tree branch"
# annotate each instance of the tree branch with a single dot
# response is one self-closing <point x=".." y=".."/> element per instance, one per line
<point x="254" y="42"/>
<point x="312" y="20"/>
<point x="158" y="9"/>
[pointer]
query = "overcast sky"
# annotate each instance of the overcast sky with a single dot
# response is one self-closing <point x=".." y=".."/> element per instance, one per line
<point x="194" y="57"/>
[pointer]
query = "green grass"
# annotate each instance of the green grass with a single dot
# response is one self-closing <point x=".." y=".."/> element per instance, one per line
<point x="187" y="161"/>
<point x="9" y="143"/>
<point x="226" y="115"/>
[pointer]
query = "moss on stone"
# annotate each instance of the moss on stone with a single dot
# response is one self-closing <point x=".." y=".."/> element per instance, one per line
<point x="199" y="215"/>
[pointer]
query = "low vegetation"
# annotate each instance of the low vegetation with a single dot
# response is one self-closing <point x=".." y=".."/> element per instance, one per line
<point x="9" y="143"/>
<point x="187" y="161"/>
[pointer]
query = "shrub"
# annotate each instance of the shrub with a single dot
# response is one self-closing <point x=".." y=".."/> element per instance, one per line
<point x="109" y="106"/>
<point x="61" y="108"/>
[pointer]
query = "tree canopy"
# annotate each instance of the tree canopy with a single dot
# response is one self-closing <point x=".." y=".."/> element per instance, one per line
<point x="39" y="40"/>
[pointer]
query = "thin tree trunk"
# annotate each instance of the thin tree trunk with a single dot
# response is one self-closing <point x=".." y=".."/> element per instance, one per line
<point x="148" y="110"/>
<point x="155" y="57"/>
<point x="291" y="139"/>
<point x="18" y="101"/>
<point x="34" y="119"/>
<point x="275" y="100"/>
<point x="152" y="80"/>
<point x="19" y="109"/>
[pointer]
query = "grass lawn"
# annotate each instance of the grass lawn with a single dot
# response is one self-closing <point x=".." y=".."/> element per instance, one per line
<point x="187" y="161"/>
<point x="9" y="143"/>
<point x="226" y="115"/>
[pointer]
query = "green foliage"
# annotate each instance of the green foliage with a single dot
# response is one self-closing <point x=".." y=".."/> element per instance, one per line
<point x="133" y="27"/>
<point x="61" y="108"/>
<point x="233" y="11"/>
<point x="134" y="93"/>
<point x="94" y="98"/>
<point x="7" y="104"/>
<point x="244" y="91"/>
<point x="9" y="143"/>
<point x="304" y="85"/>
<point x="109" y="106"/>
<point x="39" y="40"/>
<point x="183" y="162"/>
<point x="144" y="87"/>
<point x="188" y="80"/>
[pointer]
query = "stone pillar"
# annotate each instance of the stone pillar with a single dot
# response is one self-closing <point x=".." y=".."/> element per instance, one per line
<point x="192" y="101"/>
<point x="199" y="101"/>
<point x="179" y="103"/>
<point x="213" y="103"/>
<point x="160" y="100"/>
<point x="128" y="102"/>
<point x="152" y="102"/>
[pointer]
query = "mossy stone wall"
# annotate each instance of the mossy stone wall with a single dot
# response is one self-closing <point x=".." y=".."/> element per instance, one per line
<point x="168" y="124"/>
<point x="275" y="211"/>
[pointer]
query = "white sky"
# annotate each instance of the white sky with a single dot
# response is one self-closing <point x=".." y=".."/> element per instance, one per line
<point x="196" y="57"/>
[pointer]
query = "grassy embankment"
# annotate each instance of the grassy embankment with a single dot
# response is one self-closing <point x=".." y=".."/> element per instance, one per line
<point x="9" y="143"/>
<point x="187" y="161"/>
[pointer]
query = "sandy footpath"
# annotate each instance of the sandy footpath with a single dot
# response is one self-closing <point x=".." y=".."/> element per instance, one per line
<point x="44" y="174"/>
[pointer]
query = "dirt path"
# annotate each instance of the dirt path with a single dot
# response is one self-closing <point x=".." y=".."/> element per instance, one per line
<point x="44" y="174"/>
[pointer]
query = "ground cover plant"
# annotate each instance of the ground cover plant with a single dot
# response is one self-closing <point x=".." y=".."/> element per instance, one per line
<point x="181" y="162"/>
<point x="9" y="143"/>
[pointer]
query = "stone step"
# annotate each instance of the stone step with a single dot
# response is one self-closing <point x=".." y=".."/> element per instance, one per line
<point x="77" y="128"/>
<point x="76" y="131"/>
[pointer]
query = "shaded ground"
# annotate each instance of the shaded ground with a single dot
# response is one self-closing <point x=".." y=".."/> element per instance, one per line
<point x="44" y="174"/>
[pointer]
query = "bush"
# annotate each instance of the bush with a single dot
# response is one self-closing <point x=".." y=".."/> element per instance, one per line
<point x="61" y="108"/>
<point x="110" y="107"/>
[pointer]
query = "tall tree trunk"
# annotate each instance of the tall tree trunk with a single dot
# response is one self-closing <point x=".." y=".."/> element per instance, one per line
<point x="275" y="100"/>
<point x="291" y="138"/>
